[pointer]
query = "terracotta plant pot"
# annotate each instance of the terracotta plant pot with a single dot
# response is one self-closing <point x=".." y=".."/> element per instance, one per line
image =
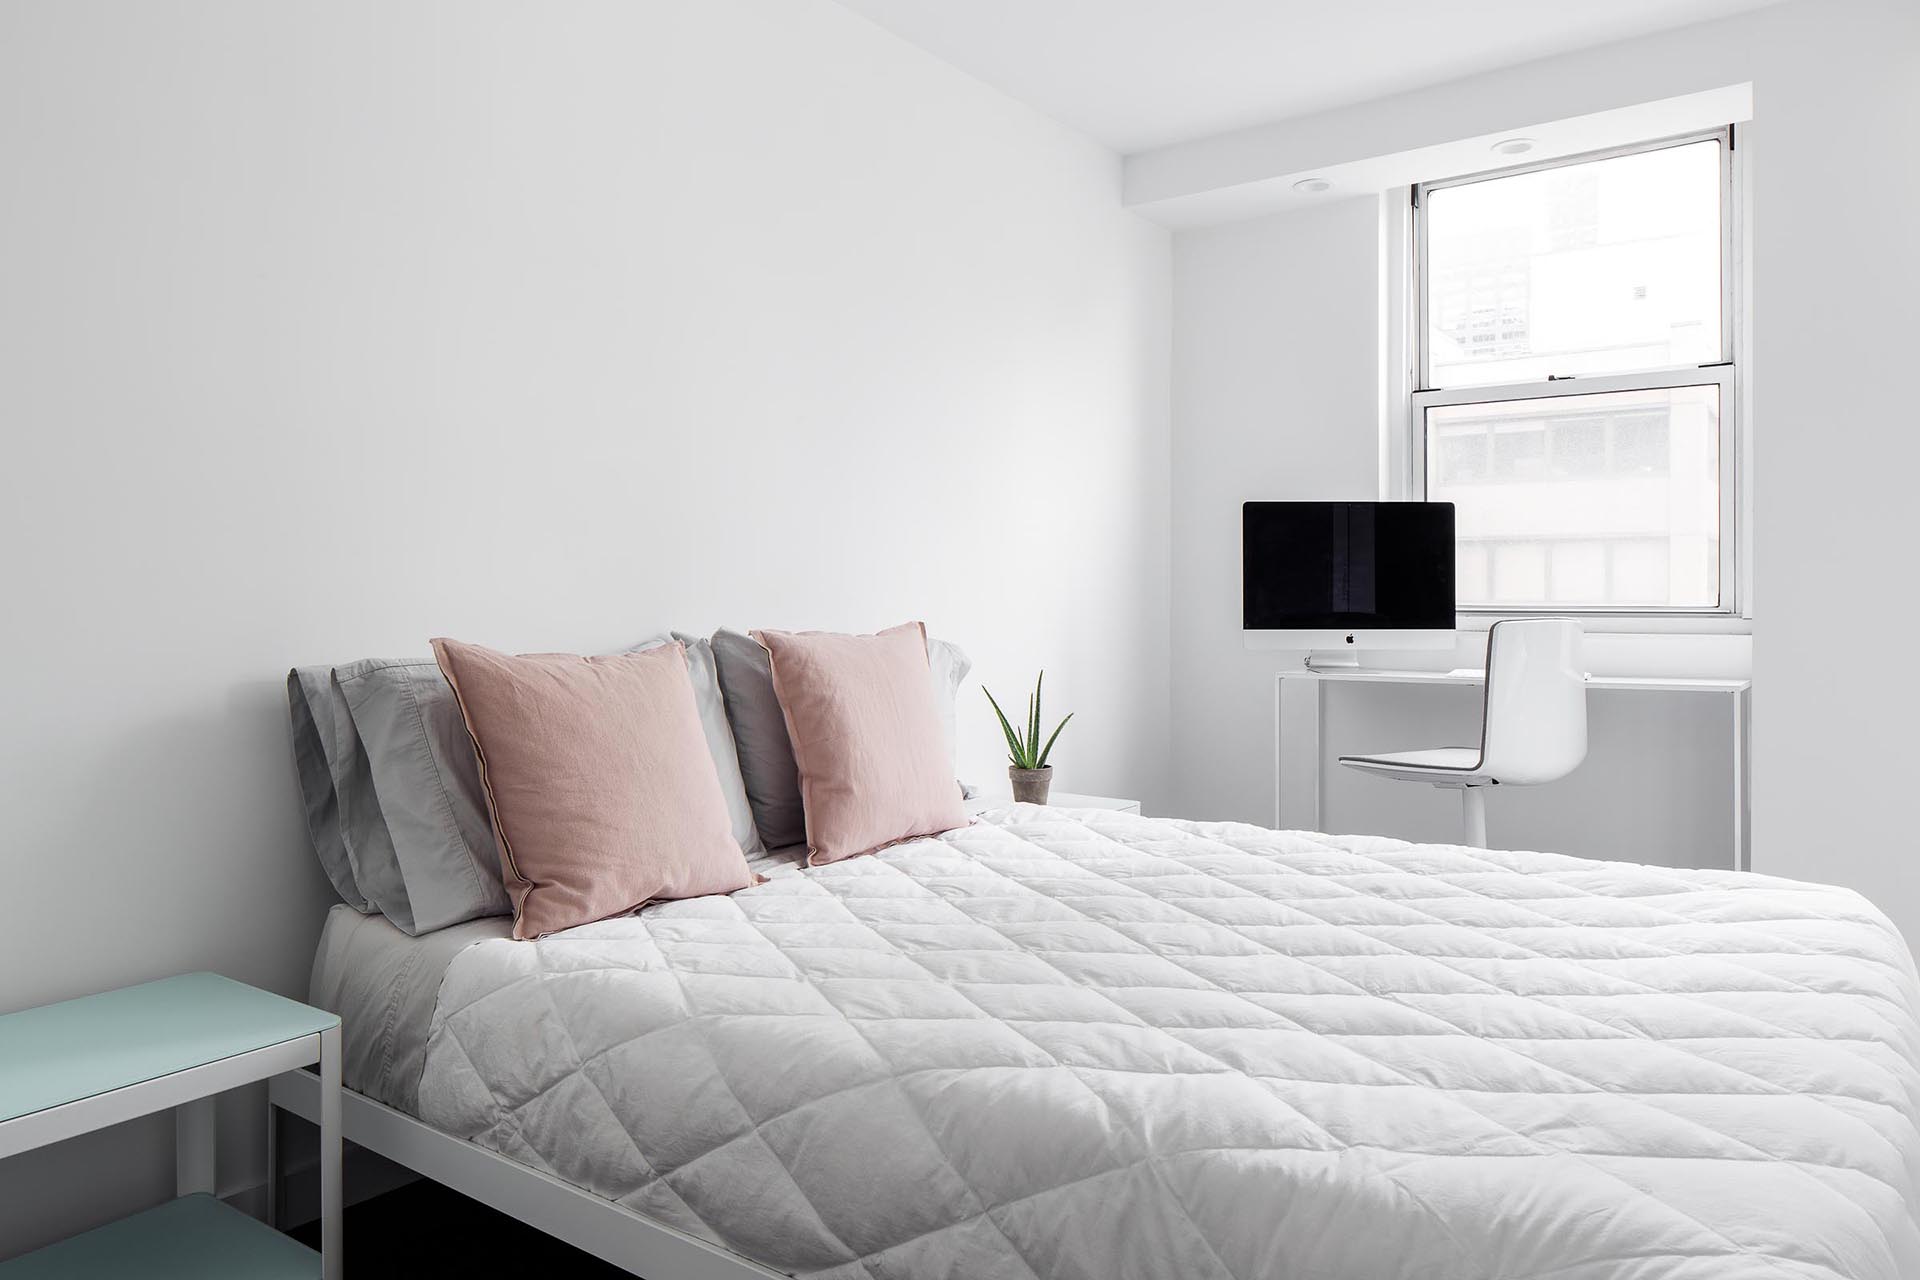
<point x="1030" y="785"/>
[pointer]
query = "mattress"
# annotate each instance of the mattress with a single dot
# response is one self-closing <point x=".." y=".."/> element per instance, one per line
<point x="1090" y="1044"/>
<point x="384" y="985"/>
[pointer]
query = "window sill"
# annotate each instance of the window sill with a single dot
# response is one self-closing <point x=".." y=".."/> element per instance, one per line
<point x="1636" y="624"/>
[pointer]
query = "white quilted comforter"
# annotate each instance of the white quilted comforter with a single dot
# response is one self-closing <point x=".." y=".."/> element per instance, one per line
<point x="1093" y="1045"/>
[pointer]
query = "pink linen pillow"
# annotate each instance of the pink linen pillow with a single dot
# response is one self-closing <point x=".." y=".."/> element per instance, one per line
<point x="874" y="766"/>
<point x="597" y="774"/>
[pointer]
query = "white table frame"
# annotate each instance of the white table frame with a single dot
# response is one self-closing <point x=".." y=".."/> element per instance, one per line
<point x="1737" y="692"/>
<point x="191" y="1093"/>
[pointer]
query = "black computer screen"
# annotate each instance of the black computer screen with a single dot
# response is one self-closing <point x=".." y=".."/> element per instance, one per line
<point x="1322" y="566"/>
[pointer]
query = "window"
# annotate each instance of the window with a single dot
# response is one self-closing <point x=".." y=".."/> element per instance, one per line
<point x="1575" y="379"/>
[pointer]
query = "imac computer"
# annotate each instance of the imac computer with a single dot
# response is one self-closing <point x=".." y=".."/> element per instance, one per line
<point x="1347" y="576"/>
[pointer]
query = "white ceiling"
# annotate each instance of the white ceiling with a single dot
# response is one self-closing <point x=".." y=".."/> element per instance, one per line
<point x="1137" y="74"/>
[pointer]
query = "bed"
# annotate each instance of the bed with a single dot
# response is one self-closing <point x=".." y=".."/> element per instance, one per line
<point x="1069" y="1044"/>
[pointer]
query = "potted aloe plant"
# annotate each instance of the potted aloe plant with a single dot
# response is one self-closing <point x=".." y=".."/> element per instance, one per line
<point x="1029" y="771"/>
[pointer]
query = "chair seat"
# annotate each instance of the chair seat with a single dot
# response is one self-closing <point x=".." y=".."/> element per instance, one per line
<point x="1444" y="766"/>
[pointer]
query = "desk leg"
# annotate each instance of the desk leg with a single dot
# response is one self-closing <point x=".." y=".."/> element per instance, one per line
<point x="1319" y="739"/>
<point x="1279" y="751"/>
<point x="330" y="1156"/>
<point x="193" y="1147"/>
<point x="1314" y="736"/>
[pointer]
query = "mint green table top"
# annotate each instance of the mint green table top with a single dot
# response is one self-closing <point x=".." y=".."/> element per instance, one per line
<point x="193" y="1238"/>
<point x="60" y="1053"/>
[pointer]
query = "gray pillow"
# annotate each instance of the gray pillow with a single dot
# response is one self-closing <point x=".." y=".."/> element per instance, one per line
<point x="760" y="729"/>
<point x="438" y="864"/>
<point x="767" y="767"/>
<point x="704" y="673"/>
<point x="354" y="848"/>
<point x="311" y="705"/>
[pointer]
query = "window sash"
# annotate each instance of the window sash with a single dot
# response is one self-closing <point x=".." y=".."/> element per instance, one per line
<point x="1422" y="258"/>
<point x="1721" y="376"/>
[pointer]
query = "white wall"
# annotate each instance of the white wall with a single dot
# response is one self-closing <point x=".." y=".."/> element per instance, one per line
<point x="1835" y="275"/>
<point x="1837" y="270"/>
<point x="1276" y="382"/>
<point x="328" y="328"/>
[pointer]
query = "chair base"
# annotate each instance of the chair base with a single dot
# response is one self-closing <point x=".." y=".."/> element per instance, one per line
<point x="1473" y="806"/>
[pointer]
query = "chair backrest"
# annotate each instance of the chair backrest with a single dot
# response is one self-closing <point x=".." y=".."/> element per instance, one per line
<point x="1536" y="718"/>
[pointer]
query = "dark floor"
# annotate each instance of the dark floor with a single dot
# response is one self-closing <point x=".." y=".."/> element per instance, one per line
<point x="423" y="1229"/>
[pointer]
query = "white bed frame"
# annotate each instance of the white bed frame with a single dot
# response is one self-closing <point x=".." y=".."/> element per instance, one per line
<point x="584" y="1220"/>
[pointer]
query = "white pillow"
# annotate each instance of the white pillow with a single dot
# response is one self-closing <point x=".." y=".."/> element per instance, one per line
<point x="949" y="666"/>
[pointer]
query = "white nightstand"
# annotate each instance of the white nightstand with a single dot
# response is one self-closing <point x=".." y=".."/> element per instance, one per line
<point x="81" y="1065"/>
<point x="1058" y="800"/>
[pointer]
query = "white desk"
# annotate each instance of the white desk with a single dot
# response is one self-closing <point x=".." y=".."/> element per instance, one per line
<point x="1735" y="694"/>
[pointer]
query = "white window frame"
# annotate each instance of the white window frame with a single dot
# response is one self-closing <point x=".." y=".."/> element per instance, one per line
<point x="1724" y="373"/>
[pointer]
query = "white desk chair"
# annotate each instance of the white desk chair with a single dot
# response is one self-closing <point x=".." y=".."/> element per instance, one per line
<point x="1533" y="730"/>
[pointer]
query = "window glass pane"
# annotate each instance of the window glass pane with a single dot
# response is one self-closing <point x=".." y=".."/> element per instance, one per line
<point x="1519" y="571"/>
<point x="1603" y="267"/>
<point x="1579" y="568"/>
<point x="1470" y="579"/>
<point x="1608" y="499"/>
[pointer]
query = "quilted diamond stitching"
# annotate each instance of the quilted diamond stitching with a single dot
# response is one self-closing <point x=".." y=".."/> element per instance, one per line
<point x="1101" y="900"/>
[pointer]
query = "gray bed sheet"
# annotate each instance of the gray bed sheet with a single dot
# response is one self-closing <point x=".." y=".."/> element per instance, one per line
<point x="384" y="986"/>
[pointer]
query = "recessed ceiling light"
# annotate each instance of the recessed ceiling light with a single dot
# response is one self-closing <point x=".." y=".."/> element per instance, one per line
<point x="1514" y="146"/>
<point x="1312" y="185"/>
